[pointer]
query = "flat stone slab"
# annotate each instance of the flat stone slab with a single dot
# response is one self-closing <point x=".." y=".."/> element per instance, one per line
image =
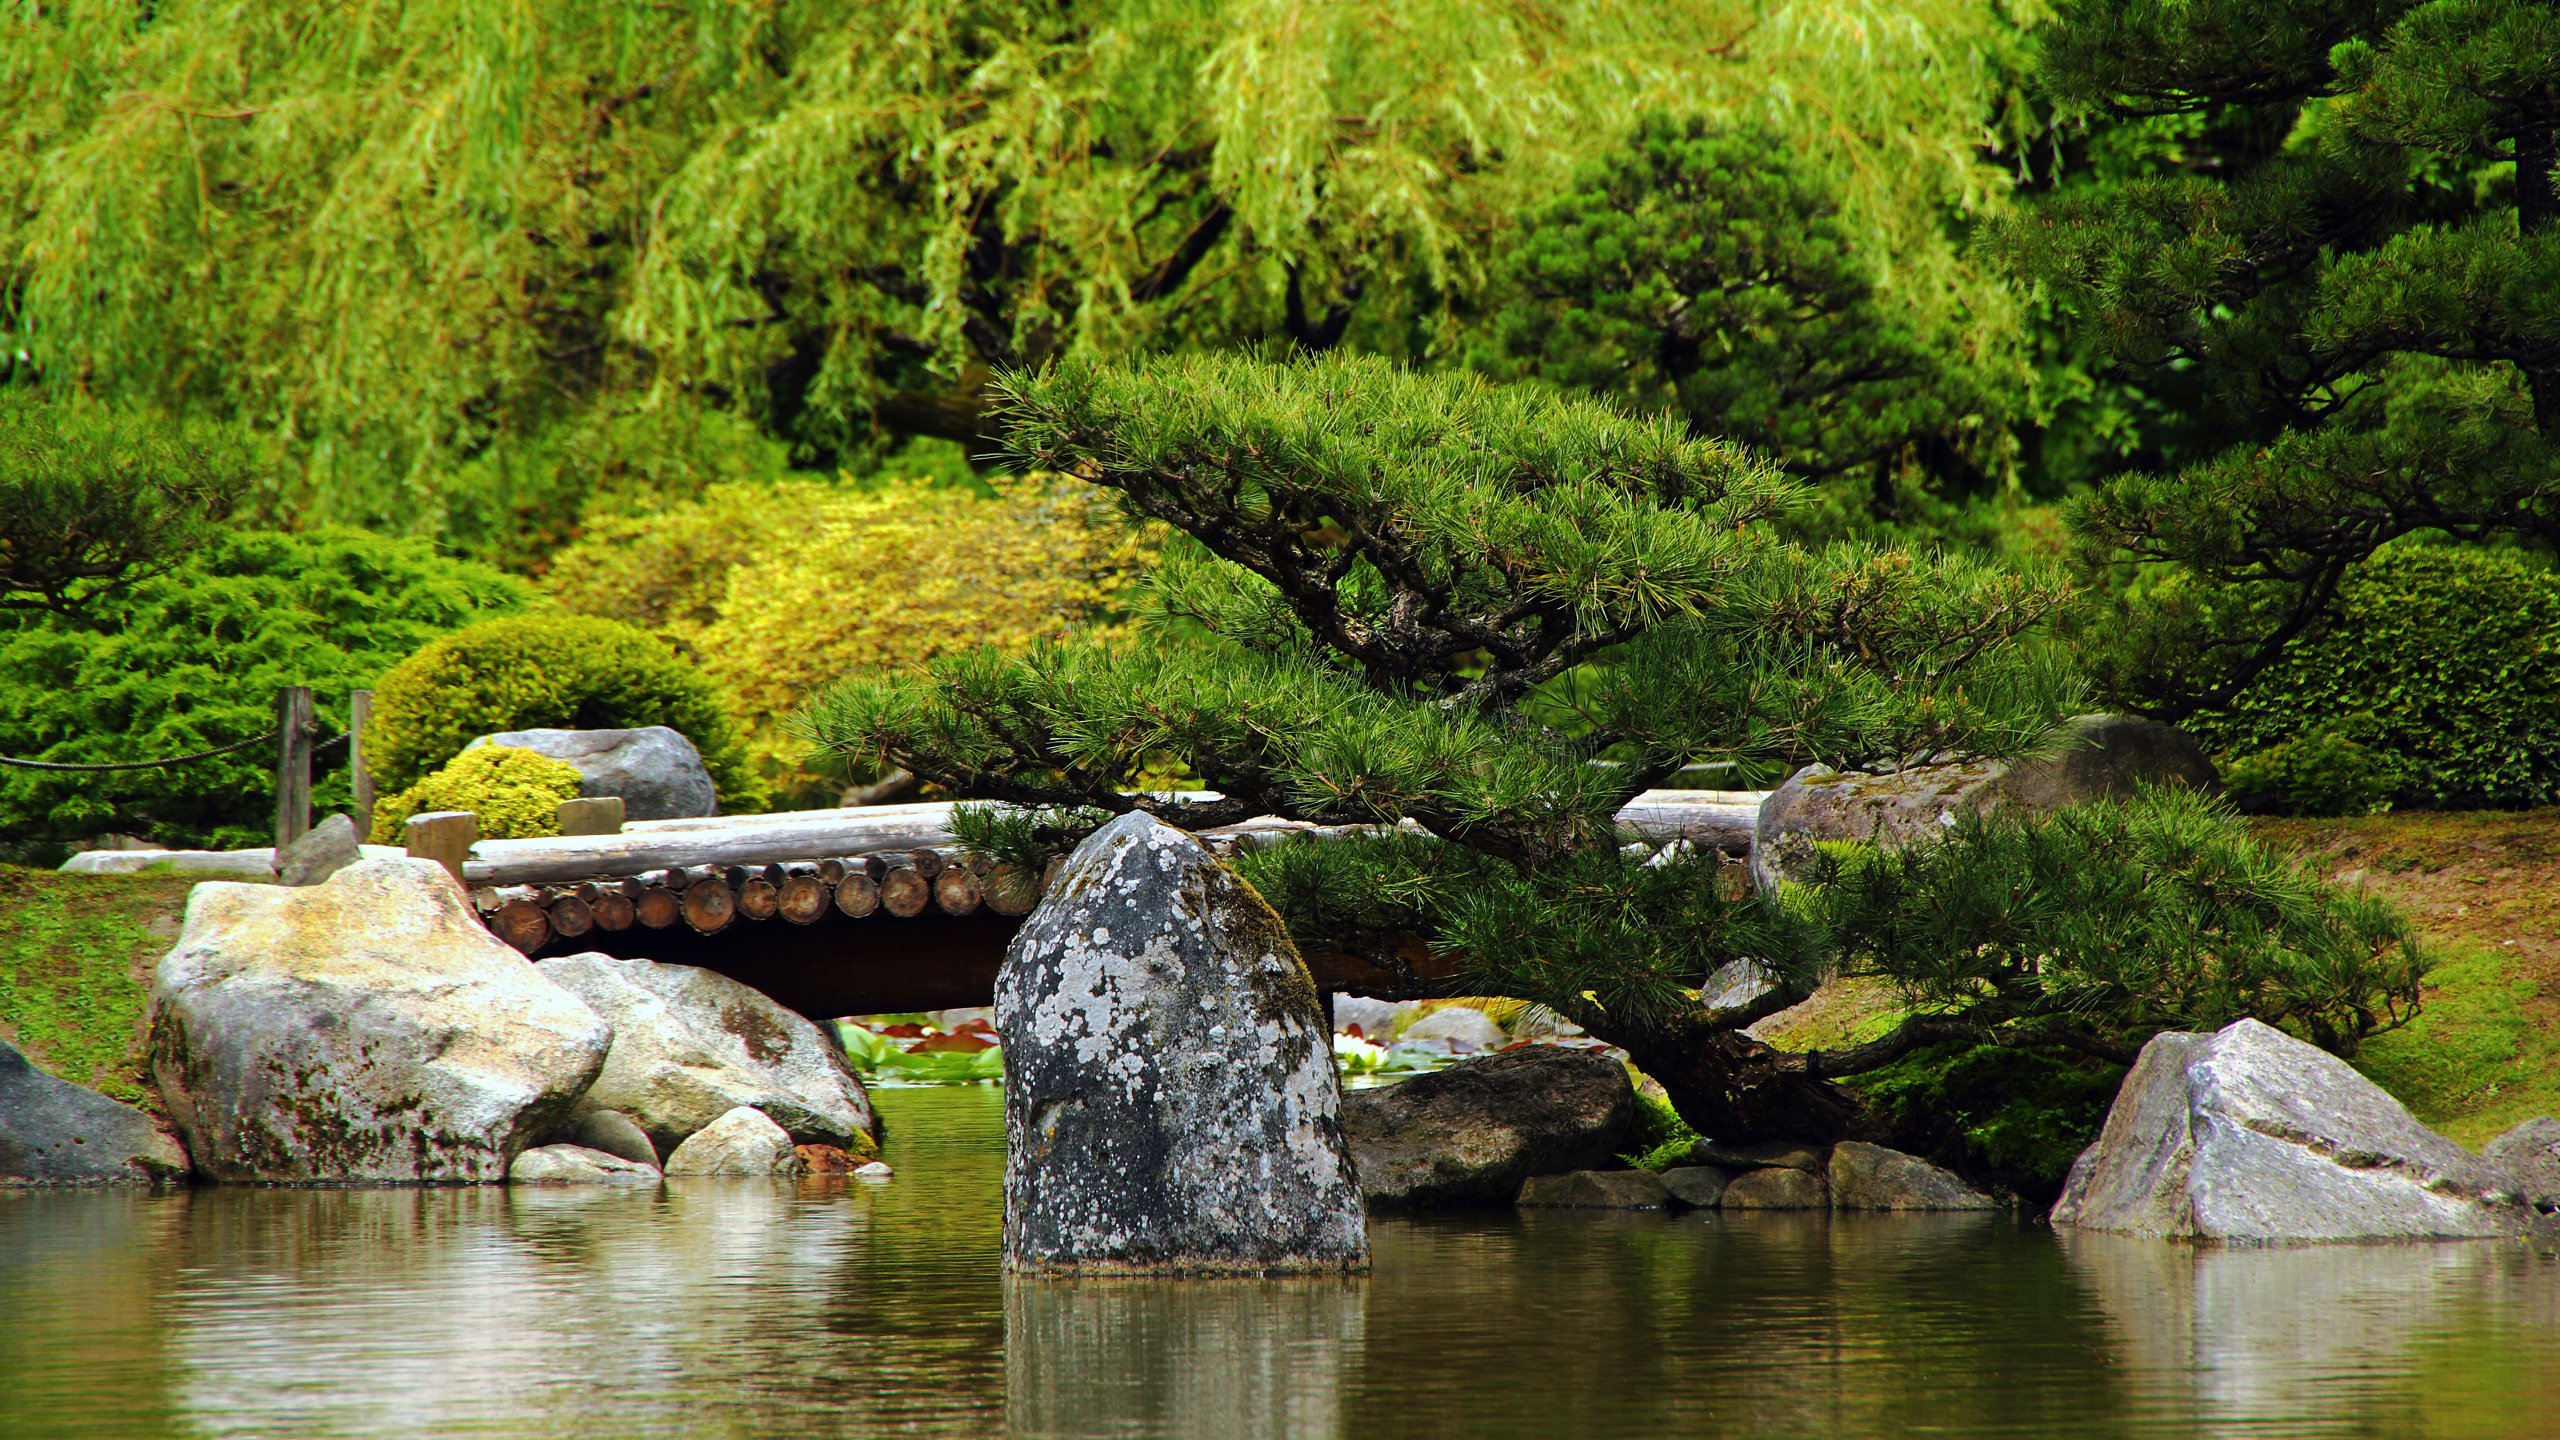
<point x="1595" y="1190"/>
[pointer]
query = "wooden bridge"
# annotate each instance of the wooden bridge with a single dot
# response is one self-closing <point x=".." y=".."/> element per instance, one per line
<point x="864" y="911"/>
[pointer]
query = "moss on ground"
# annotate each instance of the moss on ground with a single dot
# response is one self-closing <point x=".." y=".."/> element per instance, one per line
<point x="76" y="953"/>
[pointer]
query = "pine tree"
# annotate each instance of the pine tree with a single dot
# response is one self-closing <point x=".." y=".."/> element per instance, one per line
<point x="1484" y="617"/>
<point x="2353" y="261"/>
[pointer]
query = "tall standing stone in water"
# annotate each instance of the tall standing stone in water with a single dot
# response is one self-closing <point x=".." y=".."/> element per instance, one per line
<point x="1170" y="1101"/>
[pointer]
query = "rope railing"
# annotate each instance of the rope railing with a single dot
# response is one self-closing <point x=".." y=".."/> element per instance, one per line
<point x="338" y="739"/>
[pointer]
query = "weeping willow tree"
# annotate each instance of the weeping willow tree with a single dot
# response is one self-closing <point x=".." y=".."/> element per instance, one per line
<point x="431" y="247"/>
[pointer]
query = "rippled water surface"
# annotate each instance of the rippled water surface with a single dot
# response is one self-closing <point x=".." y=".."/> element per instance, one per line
<point x="729" y="1308"/>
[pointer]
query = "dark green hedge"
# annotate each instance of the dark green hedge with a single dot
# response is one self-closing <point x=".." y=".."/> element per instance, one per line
<point x="193" y="658"/>
<point x="2434" y="683"/>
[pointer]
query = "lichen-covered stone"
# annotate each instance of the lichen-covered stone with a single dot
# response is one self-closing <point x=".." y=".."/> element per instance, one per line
<point x="1777" y="1188"/>
<point x="1170" y="1100"/>
<point x="742" y="1142"/>
<point x="53" y="1132"/>
<point x="690" y="1045"/>
<point x="2249" y="1136"/>
<point x="1595" y="1190"/>
<point x="1468" y="1135"/>
<point x="367" y="1028"/>
<point x="577" y="1165"/>
<point x="1871" y="1177"/>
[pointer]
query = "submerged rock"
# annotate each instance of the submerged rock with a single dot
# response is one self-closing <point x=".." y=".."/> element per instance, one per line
<point x="691" y="1045"/>
<point x="1871" y="1177"/>
<point x="1170" y="1100"/>
<point x="1777" y="1188"/>
<point x="1595" y="1190"/>
<point x="1468" y="1135"/>
<point x="2250" y="1136"/>
<point x="53" y="1132"/>
<point x="577" y="1165"/>
<point x="656" y="771"/>
<point x="2102" y="757"/>
<point x="2529" y="1158"/>
<point x="367" y="1028"/>
<point x="742" y="1142"/>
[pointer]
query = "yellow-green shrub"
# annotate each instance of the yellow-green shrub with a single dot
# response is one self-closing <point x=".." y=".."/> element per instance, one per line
<point x="540" y="671"/>
<point x="783" y="588"/>
<point x="516" y="793"/>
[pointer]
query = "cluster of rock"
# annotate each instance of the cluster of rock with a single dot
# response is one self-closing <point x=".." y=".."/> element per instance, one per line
<point x="1779" y="1175"/>
<point x="368" y="1029"/>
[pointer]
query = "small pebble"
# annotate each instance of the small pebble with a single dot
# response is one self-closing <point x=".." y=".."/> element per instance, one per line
<point x="878" y="1169"/>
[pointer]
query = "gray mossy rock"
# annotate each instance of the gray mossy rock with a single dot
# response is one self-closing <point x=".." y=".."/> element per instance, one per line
<point x="1463" y="1029"/>
<point x="577" y="1165"/>
<point x="1595" y="1190"/>
<point x="656" y="771"/>
<point x="2529" y="1158"/>
<point x="323" y="851"/>
<point x="1468" y="1135"/>
<point x="367" y="1028"/>
<point x="2101" y="757"/>
<point x="1170" y="1099"/>
<point x="742" y="1142"/>
<point x="1871" y="1177"/>
<point x="2249" y="1136"/>
<point x="614" y="1133"/>
<point x="1777" y="1188"/>
<point x="690" y="1045"/>
<point x="53" y="1132"/>
<point x="1762" y="1154"/>
<point x="1701" y="1186"/>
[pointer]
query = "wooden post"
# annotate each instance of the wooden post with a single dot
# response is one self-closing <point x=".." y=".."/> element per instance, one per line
<point x="444" y="836"/>
<point x="599" y="815"/>
<point x="293" y="764"/>
<point x="359" y="772"/>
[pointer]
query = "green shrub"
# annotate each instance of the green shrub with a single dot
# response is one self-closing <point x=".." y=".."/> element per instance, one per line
<point x="192" y="658"/>
<point x="541" y="671"/>
<point x="515" y="792"/>
<point x="2321" y="773"/>
<point x="2005" y="1116"/>
<point x="2441" y="662"/>
<point x="1662" y="1138"/>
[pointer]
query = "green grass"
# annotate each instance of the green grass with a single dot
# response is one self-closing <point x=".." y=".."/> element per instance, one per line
<point x="2477" y="1060"/>
<point x="75" y="964"/>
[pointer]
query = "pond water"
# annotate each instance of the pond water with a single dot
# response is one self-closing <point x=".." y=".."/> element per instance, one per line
<point x="732" y="1308"/>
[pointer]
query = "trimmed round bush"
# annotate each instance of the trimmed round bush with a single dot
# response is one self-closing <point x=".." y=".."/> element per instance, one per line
<point x="2434" y="684"/>
<point x="545" y="671"/>
<point x="515" y="792"/>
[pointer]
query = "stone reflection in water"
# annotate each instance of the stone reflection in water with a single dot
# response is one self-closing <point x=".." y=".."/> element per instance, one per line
<point x="2302" y="1335"/>
<point x="1199" y="1359"/>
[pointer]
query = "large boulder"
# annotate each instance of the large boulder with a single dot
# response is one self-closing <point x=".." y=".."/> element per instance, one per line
<point x="53" y="1132"/>
<point x="1468" y="1135"/>
<point x="691" y="1045"/>
<point x="1170" y="1100"/>
<point x="742" y="1142"/>
<point x="367" y="1028"/>
<point x="1871" y="1177"/>
<point x="2250" y="1136"/>
<point x="2100" y="757"/>
<point x="1459" y="1029"/>
<point x="2529" y="1158"/>
<point x="656" y="771"/>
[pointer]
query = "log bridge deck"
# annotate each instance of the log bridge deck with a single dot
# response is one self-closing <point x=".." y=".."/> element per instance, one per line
<point x="865" y="911"/>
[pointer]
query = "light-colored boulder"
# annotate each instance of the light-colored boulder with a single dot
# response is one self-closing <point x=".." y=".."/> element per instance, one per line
<point x="742" y="1142"/>
<point x="656" y="771"/>
<point x="2528" y="1158"/>
<point x="1777" y="1188"/>
<point x="690" y="1045"/>
<point x="1701" y="1186"/>
<point x="367" y="1028"/>
<point x="1871" y="1177"/>
<point x="2249" y="1136"/>
<point x="2097" y="757"/>
<point x="1468" y="1135"/>
<point x="1170" y="1098"/>
<point x="1377" y="1019"/>
<point x="1461" y="1029"/>
<point x="1734" y="984"/>
<point x="577" y="1165"/>
<point x="53" y="1132"/>
<point x="1595" y="1190"/>
<point x="615" y="1134"/>
<point x="322" y="851"/>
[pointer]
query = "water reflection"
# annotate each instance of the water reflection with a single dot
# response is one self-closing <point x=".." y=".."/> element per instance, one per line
<point x="735" y="1308"/>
